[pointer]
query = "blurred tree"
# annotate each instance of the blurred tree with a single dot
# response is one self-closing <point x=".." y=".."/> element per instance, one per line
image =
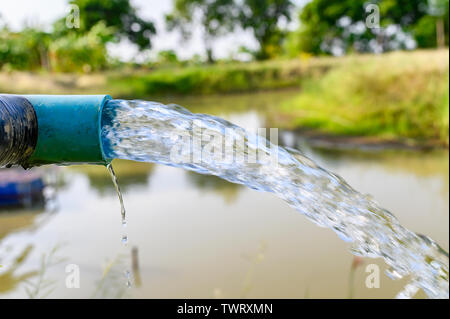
<point x="319" y="21"/>
<point x="216" y="17"/>
<point x="439" y="11"/>
<point x="339" y="26"/>
<point x="24" y="50"/>
<point x="415" y="16"/>
<point x="263" y="17"/>
<point x="167" y="57"/>
<point x="119" y="14"/>
<point x="81" y="52"/>
<point x="430" y="29"/>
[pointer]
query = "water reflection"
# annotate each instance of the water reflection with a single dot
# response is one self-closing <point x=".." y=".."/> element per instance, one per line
<point x="42" y="284"/>
<point x="10" y="279"/>
<point x="25" y="207"/>
<point x="13" y="221"/>
<point x="130" y="175"/>
<point x="232" y="103"/>
<point x="111" y="284"/>
<point x="208" y="183"/>
<point x="426" y="165"/>
<point x="424" y="162"/>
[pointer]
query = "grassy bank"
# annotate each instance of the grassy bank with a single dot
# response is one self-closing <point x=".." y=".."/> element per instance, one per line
<point x="194" y="80"/>
<point x="219" y="79"/>
<point x="399" y="95"/>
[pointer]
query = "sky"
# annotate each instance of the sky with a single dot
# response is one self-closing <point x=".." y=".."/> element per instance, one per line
<point x="17" y="13"/>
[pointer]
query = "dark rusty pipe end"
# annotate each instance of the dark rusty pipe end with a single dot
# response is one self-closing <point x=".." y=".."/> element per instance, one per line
<point x="18" y="130"/>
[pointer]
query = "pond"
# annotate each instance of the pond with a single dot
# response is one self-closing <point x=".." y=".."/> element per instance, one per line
<point x="195" y="236"/>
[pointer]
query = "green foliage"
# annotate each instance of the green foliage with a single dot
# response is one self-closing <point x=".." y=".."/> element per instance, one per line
<point x="42" y="286"/>
<point x="81" y="52"/>
<point x="167" y="57"/>
<point x="425" y="29"/>
<point x="73" y="52"/>
<point x="322" y="24"/>
<point x="391" y="96"/>
<point x="262" y="17"/>
<point x="209" y="79"/>
<point x="216" y="17"/>
<point x="326" y="26"/>
<point x="25" y="50"/>
<point x="79" y="49"/>
<point x="319" y="21"/>
<point x="120" y="15"/>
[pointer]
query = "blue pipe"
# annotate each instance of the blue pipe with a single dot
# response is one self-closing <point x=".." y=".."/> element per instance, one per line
<point x="57" y="129"/>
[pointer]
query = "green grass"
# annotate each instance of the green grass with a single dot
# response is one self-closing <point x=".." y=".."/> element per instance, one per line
<point x="192" y="80"/>
<point x="216" y="79"/>
<point x="401" y="95"/>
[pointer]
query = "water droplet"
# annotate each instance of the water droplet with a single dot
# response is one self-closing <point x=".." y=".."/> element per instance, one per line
<point x="128" y="277"/>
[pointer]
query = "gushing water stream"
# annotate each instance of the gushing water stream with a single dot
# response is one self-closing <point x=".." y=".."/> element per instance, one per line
<point x="171" y="135"/>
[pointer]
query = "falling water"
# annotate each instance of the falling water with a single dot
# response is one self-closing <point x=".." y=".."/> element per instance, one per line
<point x="127" y="273"/>
<point x="169" y="134"/>
<point x="119" y="194"/>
